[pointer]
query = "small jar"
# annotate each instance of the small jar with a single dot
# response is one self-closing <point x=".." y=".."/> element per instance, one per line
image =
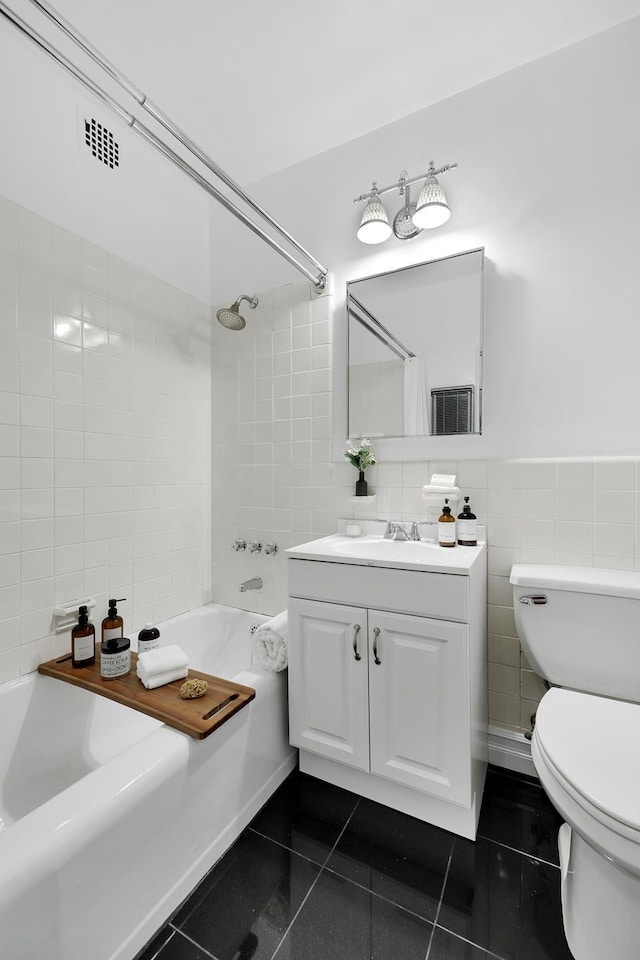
<point x="115" y="658"/>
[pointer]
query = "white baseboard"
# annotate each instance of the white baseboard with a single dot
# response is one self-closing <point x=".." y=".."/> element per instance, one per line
<point x="510" y="749"/>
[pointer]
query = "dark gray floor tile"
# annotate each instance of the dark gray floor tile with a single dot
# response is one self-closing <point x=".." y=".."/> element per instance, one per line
<point x="518" y="813"/>
<point x="395" y="856"/>
<point x="341" y="920"/>
<point x="446" y="946"/>
<point x="504" y="902"/>
<point x="243" y="907"/>
<point x="171" y="945"/>
<point x="306" y="815"/>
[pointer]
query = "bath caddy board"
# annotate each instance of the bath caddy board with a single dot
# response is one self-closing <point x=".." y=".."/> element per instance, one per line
<point x="198" y="718"/>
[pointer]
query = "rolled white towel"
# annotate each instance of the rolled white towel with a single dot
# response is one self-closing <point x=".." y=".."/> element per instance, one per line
<point x="159" y="679"/>
<point x="153" y="663"/>
<point x="270" y="643"/>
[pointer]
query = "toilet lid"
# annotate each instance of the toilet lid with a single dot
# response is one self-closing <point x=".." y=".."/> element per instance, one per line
<point x="594" y="744"/>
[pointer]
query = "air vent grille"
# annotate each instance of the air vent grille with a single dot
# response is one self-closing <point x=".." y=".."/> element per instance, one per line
<point x="452" y="410"/>
<point x="102" y="144"/>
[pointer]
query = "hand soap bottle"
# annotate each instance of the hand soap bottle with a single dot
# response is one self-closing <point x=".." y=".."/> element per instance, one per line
<point x="113" y="624"/>
<point x="467" y="526"/>
<point x="447" y="527"/>
<point x="83" y="641"/>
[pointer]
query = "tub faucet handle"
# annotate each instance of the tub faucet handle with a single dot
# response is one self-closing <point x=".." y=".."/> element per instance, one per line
<point x="239" y="544"/>
<point x="270" y="549"/>
<point x="255" y="546"/>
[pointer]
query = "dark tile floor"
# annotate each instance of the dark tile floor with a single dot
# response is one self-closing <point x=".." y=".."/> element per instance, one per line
<point x="321" y="874"/>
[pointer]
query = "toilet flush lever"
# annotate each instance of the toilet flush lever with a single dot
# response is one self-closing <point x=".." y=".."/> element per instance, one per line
<point x="537" y="600"/>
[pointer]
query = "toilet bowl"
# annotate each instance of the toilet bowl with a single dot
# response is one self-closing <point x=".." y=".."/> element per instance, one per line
<point x="586" y="746"/>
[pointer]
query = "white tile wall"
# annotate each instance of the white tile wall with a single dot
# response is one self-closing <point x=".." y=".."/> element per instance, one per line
<point x="273" y="479"/>
<point x="104" y="438"/>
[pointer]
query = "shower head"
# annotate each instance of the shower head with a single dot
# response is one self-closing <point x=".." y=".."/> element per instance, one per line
<point x="231" y="318"/>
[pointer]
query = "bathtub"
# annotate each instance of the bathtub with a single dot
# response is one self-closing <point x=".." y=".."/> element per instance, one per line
<point x="108" y="818"/>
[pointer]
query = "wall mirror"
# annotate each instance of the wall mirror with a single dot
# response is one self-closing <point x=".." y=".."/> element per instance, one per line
<point x="415" y="348"/>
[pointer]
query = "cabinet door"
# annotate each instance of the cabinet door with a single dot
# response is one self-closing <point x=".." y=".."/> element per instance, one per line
<point x="328" y="681"/>
<point x="419" y="703"/>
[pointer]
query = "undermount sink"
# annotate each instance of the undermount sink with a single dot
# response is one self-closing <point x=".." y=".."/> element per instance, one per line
<point x="375" y="551"/>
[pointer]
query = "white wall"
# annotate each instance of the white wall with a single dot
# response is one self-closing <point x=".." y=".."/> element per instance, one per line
<point x="145" y="212"/>
<point x="547" y="181"/>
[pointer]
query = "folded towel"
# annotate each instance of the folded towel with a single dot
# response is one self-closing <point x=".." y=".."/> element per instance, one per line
<point x="159" y="661"/>
<point x="159" y="679"/>
<point x="270" y="643"/>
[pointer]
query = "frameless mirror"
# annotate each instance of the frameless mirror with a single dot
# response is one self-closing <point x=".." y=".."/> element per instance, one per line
<point x="415" y="349"/>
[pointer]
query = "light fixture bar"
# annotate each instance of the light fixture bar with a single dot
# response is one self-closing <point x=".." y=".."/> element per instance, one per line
<point x="404" y="182"/>
<point x="370" y="317"/>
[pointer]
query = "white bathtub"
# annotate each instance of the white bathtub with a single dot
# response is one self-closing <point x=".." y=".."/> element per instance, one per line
<point x="109" y="818"/>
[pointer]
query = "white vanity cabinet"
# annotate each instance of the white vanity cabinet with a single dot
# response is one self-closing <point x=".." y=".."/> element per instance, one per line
<point x="387" y="683"/>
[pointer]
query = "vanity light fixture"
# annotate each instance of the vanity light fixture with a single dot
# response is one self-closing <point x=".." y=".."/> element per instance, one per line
<point x="431" y="210"/>
<point x="374" y="224"/>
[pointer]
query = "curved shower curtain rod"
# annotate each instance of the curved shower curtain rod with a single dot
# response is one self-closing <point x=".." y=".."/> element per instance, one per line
<point x="319" y="279"/>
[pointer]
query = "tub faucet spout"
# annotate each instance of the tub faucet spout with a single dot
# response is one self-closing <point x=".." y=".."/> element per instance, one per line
<point x="255" y="583"/>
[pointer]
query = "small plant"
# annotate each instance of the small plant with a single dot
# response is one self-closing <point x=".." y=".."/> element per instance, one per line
<point x="360" y="456"/>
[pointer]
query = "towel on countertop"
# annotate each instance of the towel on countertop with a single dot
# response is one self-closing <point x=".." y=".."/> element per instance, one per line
<point x="270" y="643"/>
<point x="164" y="665"/>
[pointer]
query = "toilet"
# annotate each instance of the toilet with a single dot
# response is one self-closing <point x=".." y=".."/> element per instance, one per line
<point x="580" y="630"/>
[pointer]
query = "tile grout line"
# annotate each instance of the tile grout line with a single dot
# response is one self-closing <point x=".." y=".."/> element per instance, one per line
<point x="320" y="871"/>
<point x="189" y="939"/>
<point x="523" y="853"/>
<point x="444" y="883"/>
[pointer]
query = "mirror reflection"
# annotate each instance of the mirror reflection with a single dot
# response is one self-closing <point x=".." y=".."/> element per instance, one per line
<point x="415" y="349"/>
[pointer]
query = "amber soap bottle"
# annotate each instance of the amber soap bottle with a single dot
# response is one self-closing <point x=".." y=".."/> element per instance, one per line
<point x="83" y="641"/>
<point x="113" y="624"/>
<point x="447" y="527"/>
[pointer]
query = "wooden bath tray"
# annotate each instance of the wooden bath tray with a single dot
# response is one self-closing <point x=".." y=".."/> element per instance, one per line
<point x="198" y="717"/>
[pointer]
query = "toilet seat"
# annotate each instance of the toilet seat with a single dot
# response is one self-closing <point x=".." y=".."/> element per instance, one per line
<point x="585" y="749"/>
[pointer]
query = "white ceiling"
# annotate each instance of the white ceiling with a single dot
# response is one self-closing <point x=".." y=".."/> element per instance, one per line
<point x="264" y="85"/>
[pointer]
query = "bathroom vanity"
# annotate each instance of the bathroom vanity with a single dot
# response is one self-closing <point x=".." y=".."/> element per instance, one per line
<point x="387" y="672"/>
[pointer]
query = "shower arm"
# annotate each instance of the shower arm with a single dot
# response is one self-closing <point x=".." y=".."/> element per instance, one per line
<point x="318" y="280"/>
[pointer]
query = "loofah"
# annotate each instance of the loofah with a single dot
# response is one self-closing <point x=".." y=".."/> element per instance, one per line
<point x="191" y="689"/>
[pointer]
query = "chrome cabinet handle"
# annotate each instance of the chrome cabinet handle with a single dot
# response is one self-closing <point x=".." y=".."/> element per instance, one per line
<point x="356" y="631"/>
<point x="376" y="634"/>
<point x="538" y="600"/>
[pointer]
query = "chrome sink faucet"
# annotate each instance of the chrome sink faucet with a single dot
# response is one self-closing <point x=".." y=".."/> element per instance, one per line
<point x="395" y="531"/>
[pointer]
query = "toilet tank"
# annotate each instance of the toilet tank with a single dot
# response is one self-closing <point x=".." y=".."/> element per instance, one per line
<point x="580" y="627"/>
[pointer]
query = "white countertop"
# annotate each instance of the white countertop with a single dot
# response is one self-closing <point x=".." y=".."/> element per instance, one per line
<point x="373" y="551"/>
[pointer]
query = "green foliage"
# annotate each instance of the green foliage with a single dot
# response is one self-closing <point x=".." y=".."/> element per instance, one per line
<point x="360" y="456"/>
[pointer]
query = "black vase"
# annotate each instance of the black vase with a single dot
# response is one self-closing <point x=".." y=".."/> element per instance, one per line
<point x="361" y="485"/>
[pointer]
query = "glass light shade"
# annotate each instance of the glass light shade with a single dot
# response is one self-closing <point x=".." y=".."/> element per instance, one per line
<point x="374" y="225"/>
<point x="432" y="209"/>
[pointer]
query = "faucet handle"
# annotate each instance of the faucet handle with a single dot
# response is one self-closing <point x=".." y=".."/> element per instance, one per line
<point x="255" y="546"/>
<point x="390" y="530"/>
<point x="414" y="533"/>
<point x="239" y="544"/>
